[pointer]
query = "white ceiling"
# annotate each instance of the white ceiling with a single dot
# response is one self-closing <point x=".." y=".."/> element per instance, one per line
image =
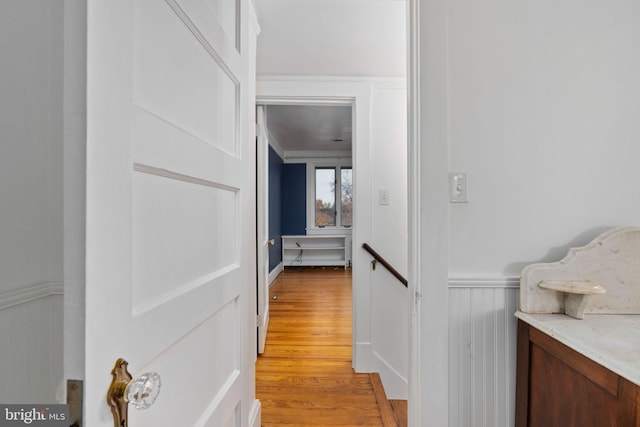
<point x="312" y="128"/>
<point x="350" y="38"/>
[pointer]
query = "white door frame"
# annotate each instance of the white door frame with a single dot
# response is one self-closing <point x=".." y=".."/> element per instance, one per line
<point x="316" y="91"/>
<point x="428" y="213"/>
<point x="262" y="225"/>
<point x="428" y="209"/>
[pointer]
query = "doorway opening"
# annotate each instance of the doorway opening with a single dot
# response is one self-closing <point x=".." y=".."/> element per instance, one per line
<point x="379" y="342"/>
<point x="305" y="191"/>
<point x="308" y="174"/>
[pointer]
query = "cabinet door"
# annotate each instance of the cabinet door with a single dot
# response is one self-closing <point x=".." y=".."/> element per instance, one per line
<point x="565" y="388"/>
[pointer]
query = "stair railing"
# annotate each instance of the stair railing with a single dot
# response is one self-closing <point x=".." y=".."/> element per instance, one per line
<point x="378" y="258"/>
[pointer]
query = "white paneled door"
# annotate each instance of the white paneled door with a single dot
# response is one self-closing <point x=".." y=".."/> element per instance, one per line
<point x="171" y="207"/>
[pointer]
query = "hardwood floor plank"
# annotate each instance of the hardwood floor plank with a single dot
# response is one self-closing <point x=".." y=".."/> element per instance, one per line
<point x="400" y="411"/>
<point x="386" y="411"/>
<point x="305" y="375"/>
<point x="312" y="352"/>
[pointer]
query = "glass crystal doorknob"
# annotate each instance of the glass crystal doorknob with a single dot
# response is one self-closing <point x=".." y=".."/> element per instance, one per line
<point x="124" y="390"/>
<point x="143" y="391"/>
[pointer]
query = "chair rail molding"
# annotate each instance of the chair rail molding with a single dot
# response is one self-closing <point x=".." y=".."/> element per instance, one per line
<point x="30" y="293"/>
<point x="484" y="282"/>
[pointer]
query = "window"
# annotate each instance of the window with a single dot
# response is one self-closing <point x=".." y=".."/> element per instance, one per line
<point x="325" y="197"/>
<point x="333" y="197"/>
<point x="346" y="197"/>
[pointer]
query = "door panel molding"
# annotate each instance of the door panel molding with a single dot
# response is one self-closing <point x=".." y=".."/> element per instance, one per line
<point x="179" y="77"/>
<point x="151" y="170"/>
<point x="160" y="144"/>
<point x="219" y="27"/>
<point x="216" y="376"/>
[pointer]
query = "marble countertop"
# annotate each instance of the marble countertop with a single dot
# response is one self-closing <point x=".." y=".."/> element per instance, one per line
<point x="612" y="340"/>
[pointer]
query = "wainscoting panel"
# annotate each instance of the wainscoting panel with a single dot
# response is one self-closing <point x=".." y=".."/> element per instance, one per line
<point x="482" y="348"/>
<point x="32" y="341"/>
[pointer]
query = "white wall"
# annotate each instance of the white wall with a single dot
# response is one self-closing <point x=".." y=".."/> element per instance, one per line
<point x="331" y="38"/>
<point x="542" y="104"/>
<point x="31" y="221"/>
<point x="389" y="298"/>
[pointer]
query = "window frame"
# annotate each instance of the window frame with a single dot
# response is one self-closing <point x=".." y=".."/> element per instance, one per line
<point x="334" y="202"/>
<point x="338" y="164"/>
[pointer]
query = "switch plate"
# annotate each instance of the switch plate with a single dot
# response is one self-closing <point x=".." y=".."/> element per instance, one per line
<point x="383" y="197"/>
<point x="458" y="187"/>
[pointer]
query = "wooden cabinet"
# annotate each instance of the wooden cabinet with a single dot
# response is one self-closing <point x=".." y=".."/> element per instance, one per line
<point x="557" y="386"/>
<point x="314" y="250"/>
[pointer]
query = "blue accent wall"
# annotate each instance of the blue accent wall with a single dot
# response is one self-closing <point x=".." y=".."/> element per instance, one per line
<point x="275" y="208"/>
<point x="294" y="199"/>
<point x="287" y="203"/>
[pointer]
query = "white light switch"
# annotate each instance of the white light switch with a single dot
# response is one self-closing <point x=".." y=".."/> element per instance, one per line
<point x="383" y="197"/>
<point x="458" y="187"/>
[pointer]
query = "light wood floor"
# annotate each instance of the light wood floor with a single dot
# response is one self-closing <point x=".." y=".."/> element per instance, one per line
<point x="305" y="375"/>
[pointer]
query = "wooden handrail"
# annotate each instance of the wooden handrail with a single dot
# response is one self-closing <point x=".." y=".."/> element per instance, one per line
<point x="384" y="262"/>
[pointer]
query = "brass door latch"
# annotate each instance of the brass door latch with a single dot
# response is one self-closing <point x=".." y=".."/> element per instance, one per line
<point x="141" y="392"/>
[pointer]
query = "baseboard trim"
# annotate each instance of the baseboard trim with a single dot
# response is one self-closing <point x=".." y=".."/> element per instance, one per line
<point x="255" y="414"/>
<point x="264" y="329"/>
<point x="395" y="385"/>
<point x="362" y="357"/>
<point x="30" y="293"/>
<point x="273" y="274"/>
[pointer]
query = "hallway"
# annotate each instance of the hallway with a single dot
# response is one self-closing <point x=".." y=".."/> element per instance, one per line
<point x="305" y="375"/>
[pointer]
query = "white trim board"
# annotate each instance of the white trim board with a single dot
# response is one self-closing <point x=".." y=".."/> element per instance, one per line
<point x="395" y="81"/>
<point x="396" y="387"/>
<point x="428" y="161"/>
<point x="364" y="354"/>
<point x="30" y="293"/>
<point x="255" y="414"/>
<point x="273" y="274"/>
<point x="484" y="282"/>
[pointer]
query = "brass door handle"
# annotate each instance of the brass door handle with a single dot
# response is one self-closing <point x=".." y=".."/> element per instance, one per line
<point x="271" y="242"/>
<point x="140" y="392"/>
